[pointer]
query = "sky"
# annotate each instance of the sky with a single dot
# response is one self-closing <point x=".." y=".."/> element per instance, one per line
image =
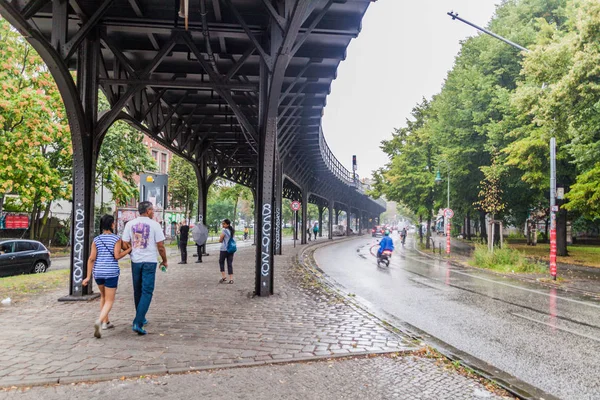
<point x="403" y="53"/>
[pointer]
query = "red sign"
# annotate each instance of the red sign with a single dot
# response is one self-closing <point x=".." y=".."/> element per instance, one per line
<point x="553" y="252"/>
<point x="448" y="213"/>
<point x="295" y="205"/>
<point x="448" y="235"/>
<point x="13" y="221"/>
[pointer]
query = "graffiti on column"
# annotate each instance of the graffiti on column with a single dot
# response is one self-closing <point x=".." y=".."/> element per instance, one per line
<point x="78" y="244"/>
<point x="266" y="241"/>
<point x="278" y="229"/>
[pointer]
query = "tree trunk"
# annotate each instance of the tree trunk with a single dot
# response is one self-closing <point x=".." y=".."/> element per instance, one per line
<point x="44" y="221"/>
<point x="546" y="231"/>
<point x="468" y="232"/>
<point x="428" y="232"/>
<point x="421" y="228"/>
<point x="187" y="202"/>
<point x="1" y="204"/>
<point x="483" y="227"/>
<point x="561" y="233"/>
<point x="235" y="211"/>
<point x="33" y="224"/>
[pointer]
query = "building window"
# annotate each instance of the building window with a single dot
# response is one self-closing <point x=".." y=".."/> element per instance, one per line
<point x="163" y="163"/>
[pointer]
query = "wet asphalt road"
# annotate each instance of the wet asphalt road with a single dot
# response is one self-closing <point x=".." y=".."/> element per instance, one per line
<point x="546" y="337"/>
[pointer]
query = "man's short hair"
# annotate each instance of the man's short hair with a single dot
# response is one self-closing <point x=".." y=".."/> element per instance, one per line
<point x="144" y="206"/>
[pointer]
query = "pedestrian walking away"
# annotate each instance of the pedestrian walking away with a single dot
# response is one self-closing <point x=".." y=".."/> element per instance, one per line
<point x="315" y="230"/>
<point x="227" y="235"/>
<point x="403" y="235"/>
<point x="145" y="237"/>
<point x="246" y="233"/>
<point x="184" y="231"/>
<point x="103" y="262"/>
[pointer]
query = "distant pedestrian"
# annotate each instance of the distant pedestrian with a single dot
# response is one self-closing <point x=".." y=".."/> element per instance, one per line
<point x="184" y="231"/>
<point x="403" y="234"/>
<point x="104" y="259"/>
<point x="226" y="235"/>
<point x="145" y="237"/>
<point x="246" y="233"/>
<point x="200" y="235"/>
<point x="308" y="232"/>
<point x="315" y="230"/>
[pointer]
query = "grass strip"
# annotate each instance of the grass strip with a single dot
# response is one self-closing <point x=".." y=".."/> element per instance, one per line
<point x="505" y="260"/>
<point x="18" y="287"/>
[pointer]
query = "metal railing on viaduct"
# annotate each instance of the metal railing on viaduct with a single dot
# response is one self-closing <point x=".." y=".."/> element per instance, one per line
<point x="236" y="87"/>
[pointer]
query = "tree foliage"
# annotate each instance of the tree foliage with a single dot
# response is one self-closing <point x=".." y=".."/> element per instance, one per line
<point x="122" y="156"/>
<point x="496" y="112"/>
<point x="35" y="141"/>
<point x="183" y="186"/>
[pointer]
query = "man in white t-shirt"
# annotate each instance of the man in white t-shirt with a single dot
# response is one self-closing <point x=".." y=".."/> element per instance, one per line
<point x="146" y="237"/>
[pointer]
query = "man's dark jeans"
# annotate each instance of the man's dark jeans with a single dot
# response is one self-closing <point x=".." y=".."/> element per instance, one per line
<point x="183" y="250"/>
<point x="143" y="276"/>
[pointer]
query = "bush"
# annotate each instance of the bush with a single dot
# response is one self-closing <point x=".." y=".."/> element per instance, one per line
<point x="61" y="237"/>
<point x="505" y="260"/>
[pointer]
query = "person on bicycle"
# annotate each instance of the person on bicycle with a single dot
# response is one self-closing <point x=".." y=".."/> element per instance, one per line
<point x="386" y="244"/>
<point x="403" y="233"/>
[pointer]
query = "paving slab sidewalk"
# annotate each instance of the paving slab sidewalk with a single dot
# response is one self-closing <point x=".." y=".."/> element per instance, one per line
<point x="195" y="322"/>
<point x="349" y="378"/>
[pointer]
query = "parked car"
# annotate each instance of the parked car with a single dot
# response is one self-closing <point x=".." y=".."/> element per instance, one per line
<point x="339" y="230"/>
<point x="20" y="256"/>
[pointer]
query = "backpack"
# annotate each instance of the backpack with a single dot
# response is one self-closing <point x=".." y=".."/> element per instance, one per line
<point x="231" y="246"/>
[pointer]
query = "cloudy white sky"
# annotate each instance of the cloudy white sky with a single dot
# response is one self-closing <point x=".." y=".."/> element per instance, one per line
<point x="403" y="53"/>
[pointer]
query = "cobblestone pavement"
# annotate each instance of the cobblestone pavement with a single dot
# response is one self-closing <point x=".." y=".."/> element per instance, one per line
<point x="356" y="378"/>
<point x="194" y="323"/>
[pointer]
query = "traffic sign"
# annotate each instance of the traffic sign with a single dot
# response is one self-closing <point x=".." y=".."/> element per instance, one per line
<point x="295" y="205"/>
<point x="448" y="213"/>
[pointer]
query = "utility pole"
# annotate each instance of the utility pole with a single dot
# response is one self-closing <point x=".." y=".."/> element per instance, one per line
<point x="553" y="208"/>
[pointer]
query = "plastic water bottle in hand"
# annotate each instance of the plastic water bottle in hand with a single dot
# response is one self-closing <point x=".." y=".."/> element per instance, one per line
<point x="163" y="267"/>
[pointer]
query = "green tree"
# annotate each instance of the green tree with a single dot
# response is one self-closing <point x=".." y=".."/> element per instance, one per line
<point x="408" y="178"/>
<point x="235" y="193"/>
<point x="35" y="141"/>
<point x="122" y="156"/>
<point x="183" y="187"/>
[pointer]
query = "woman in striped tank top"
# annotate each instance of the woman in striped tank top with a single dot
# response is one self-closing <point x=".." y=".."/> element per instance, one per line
<point x="104" y="259"/>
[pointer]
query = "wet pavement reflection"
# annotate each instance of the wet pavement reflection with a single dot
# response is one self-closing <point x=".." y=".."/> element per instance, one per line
<point x="547" y="337"/>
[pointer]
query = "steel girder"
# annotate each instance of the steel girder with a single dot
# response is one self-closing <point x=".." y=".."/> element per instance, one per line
<point x="240" y="94"/>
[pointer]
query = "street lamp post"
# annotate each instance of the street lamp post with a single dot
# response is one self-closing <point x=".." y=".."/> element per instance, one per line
<point x="553" y="208"/>
<point x="438" y="180"/>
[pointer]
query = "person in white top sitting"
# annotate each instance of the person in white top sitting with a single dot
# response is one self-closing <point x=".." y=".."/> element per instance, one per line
<point x="145" y="237"/>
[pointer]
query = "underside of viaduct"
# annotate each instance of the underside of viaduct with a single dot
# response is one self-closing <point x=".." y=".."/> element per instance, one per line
<point x="236" y="87"/>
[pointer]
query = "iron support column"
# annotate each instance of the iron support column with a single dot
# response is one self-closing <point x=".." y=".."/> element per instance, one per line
<point x="304" y="216"/>
<point x="348" y="220"/>
<point x="86" y="147"/>
<point x="330" y="221"/>
<point x="265" y="190"/>
<point x="278" y="204"/>
<point x="321" y="210"/>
